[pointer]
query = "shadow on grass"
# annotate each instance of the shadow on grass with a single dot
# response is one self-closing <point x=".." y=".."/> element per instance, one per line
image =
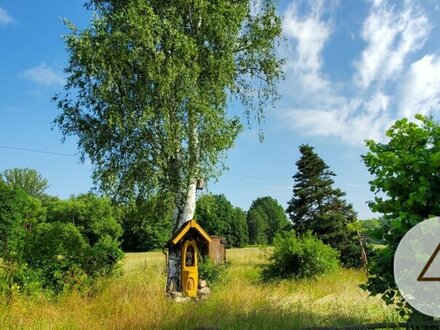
<point x="223" y="318"/>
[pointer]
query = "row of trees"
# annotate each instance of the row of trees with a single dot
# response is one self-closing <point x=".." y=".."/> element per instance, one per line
<point x="316" y="207"/>
<point x="264" y="220"/>
<point x="148" y="224"/>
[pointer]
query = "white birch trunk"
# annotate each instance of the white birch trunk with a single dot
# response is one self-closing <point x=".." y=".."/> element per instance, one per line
<point x="190" y="204"/>
<point x="174" y="252"/>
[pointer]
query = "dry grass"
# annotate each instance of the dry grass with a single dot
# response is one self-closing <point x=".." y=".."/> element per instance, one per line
<point x="136" y="301"/>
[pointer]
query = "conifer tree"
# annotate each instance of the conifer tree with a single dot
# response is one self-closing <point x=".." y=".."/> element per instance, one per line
<point x="318" y="207"/>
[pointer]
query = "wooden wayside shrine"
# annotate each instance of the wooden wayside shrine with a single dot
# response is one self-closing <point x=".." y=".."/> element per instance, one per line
<point x="192" y="241"/>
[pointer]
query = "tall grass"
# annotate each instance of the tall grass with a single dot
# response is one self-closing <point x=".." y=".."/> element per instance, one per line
<point x="136" y="300"/>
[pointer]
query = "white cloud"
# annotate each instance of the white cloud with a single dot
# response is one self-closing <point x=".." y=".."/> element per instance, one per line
<point x="386" y="85"/>
<point x="420" y="90"/>
<point x="352" y="121"/>
<point x="43" y="75"/>
<point x="310" y="33"/>
<point x="5" y="19"/>
<point x="391" y="35"/>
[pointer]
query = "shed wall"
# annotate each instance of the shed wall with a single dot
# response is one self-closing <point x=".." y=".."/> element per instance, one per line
<point x="217" y="250"/>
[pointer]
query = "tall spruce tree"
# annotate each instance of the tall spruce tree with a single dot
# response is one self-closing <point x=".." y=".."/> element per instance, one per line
<point x="318" y="207"/>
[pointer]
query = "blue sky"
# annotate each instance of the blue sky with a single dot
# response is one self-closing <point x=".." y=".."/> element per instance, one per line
<point x="353" y="67"/>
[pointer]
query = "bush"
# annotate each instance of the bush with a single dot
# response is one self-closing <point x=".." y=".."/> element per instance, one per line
<point x="52" y="245"/>
<point x="60" y="252"/>
<point x="104" y="256"/>
<point x="210" y="272"/>
<point x="66" y="260"/>
<point x="299" y="257"/>
<point x="16" y="278"/>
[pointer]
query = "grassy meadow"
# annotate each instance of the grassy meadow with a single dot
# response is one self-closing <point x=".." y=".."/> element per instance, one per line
<point x="136" y="300"/>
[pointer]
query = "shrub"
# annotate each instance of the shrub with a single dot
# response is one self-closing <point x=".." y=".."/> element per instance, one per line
<point x="65" y="258"/>
<point x="59" y="251"/>
<point x="58" y="247"/>
<point x="299" y="257"/>
<point x="18" y="278"/>
<point x="210" y="272"/>
<point x="104" y="256"/>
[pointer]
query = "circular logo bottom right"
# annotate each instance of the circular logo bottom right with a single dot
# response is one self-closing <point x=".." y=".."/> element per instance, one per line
<point x="417" y="267"/>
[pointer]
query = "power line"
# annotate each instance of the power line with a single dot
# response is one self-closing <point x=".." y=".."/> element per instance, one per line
<point x="38" y="151"/>
<point x="348" y="185"/>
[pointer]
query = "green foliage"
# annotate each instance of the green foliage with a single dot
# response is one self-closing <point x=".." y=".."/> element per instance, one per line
<point x="372" y="229"/>
<point x="11" y="229"/>
<point x="257" y="227"/>
<point x="318" y="207"/>
<point x="95" y="217"/>
<point x="210" y="272"/>
<point x="406" y="175"/>
<point x="299" y="257"/>
<point x="220" y="218"/>
<point x="265" y="219"/>
<point x="60" y="252"/>
<point x="18" y="278"/>
<point x="27" y="179"/>
<point x="104" y="256"/>
<point x="56" y="247"/>
<point x="238" y="234"/>
<point x="147" y="223"/>
<point x="148" y="84"/>
<point x="19" y="213"/>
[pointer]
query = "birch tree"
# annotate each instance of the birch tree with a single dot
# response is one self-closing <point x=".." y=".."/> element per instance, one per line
<point x="150" y="88"/>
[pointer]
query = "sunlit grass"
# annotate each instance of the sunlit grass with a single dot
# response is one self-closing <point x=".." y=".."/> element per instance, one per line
<point x="136" y="300"/>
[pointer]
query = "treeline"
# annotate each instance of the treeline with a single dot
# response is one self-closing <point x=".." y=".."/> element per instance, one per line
<point x="148" y="224"/>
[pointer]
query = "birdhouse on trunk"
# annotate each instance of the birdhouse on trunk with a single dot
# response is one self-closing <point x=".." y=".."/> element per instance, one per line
<point x="190" y="241"/>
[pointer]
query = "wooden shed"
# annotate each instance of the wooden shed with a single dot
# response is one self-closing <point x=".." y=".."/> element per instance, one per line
<point x="217" y="250"/>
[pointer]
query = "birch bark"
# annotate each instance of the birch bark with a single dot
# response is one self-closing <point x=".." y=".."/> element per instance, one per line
<point x="174" y="252"/>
